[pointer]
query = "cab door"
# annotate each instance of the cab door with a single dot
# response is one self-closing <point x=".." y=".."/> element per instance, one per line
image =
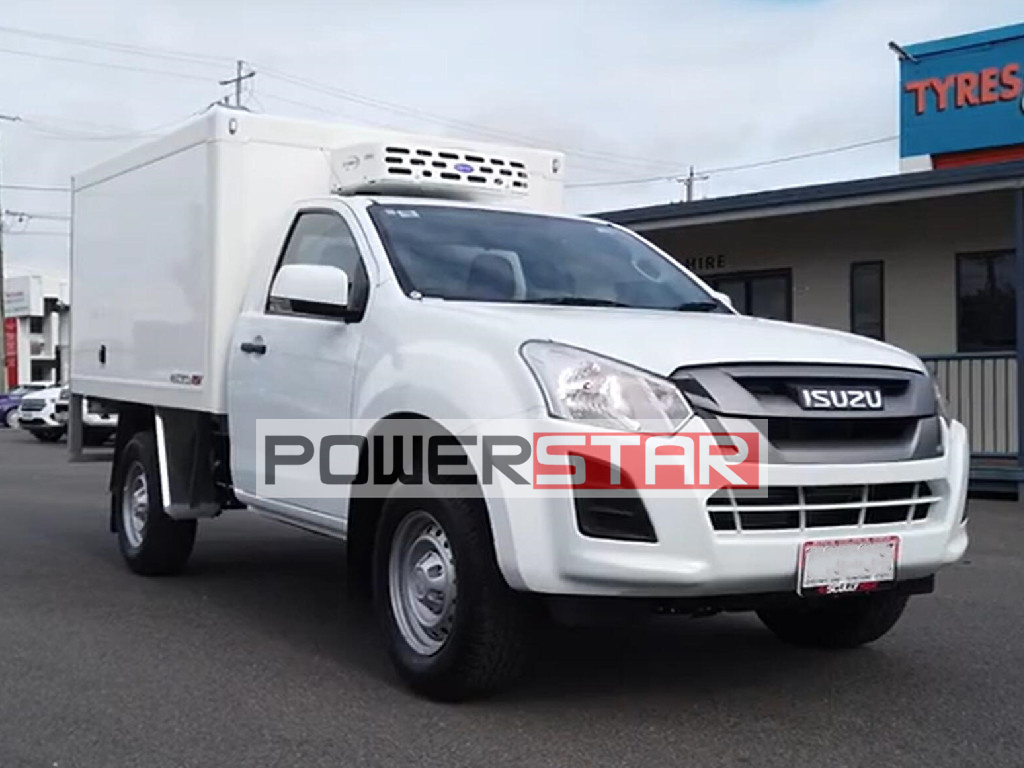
<point x="289" y="362"/>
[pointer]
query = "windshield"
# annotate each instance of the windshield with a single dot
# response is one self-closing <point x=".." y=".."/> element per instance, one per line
<point x="472" y="254"/>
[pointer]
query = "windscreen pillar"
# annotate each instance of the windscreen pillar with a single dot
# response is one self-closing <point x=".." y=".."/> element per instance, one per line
<point x="75" y="410"/>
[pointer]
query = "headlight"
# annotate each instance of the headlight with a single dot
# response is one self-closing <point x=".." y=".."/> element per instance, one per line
<point x="586" y="387"/>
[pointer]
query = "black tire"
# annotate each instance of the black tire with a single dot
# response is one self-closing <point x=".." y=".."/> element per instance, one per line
<point x="843" y="622"/>
<point x="10" y="419"/>
<point x="48" y="435"/>
<point x="486" y="647"/>
<point x="163" y="545"/>
<point x="96" y="437"/>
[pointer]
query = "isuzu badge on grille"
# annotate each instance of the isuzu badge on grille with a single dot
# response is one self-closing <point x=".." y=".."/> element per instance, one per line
<point x="840" y="398"/>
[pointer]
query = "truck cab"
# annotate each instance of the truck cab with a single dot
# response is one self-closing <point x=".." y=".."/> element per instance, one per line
<point x="282" y="339"/>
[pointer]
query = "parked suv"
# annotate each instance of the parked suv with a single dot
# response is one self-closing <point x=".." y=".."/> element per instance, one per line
<point x="45" y="415"/>
<point x="9" y="403"/>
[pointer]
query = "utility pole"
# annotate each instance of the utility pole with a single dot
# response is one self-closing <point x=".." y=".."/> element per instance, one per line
<point x="237" y="81"/>
<point x="689" y="182"/>
<point x="3" y="290"/>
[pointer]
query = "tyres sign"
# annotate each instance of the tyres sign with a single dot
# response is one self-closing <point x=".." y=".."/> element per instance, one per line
<point x="963" y="93"/>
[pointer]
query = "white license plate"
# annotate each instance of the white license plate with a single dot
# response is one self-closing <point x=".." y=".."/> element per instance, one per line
<point x="847" y="565"/>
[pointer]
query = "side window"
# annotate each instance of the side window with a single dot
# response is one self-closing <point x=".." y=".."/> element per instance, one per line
<point x="768" y="293"/>
<point x="986" y="302"/>
<point x="322" y="237"/>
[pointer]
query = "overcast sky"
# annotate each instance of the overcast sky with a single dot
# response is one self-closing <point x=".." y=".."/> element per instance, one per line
<point x="630" y="89"/>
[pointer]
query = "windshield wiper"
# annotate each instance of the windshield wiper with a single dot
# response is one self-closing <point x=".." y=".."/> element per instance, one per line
<point x="577" y="301"/>
<point x="698" y="306"/>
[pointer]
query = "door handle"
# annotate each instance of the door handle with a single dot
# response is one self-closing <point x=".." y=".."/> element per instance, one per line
<point x="254" y="347"/>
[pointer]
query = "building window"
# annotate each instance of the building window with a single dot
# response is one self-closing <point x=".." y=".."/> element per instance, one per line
<point x="35" y="325"/>
<point x="985" y="304"/>
<point x="761" y="294"/>
<point x="867" y="299"/>
<point x="41" y="371"/>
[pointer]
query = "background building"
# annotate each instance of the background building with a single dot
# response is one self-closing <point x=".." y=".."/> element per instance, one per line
<point x="931" y="259"/>
<point x="36" y="329"/>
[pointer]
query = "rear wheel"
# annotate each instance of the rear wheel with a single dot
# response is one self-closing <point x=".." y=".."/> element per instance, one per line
<point x="844" y="622"/>
<point x="151" y="542"/>
<point x="453" y="627"/>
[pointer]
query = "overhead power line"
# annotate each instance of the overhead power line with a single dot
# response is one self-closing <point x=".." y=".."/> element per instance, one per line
<point x="62" y="135"/>
<point x="194" y="58"/>
<point x="320" y="109"/>
<point x="296" y="103"/>
<point x="26" y="216"/>
<point x="55" y="127"/>
<point x="743" y="167"/>
<point x="86" y="126"/>
<point x="34" y="233"/>
<point x="421" y="114"/>
<point x="333" y="113"/>
<point x="802" y="155"/>
<point x="165" y="54"/>
<point x="107" y="65"/>
<point x="34" y="188"/>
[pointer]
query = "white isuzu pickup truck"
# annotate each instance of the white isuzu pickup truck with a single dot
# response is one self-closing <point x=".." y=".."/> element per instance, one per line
<point x="246" y="277"/>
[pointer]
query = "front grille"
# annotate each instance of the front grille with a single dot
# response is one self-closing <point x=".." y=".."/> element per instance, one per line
<point x="794" y="507"/>
<point x="767" y="386"/>
<point x="32" y="405"/>
<point x="785" y="432"/>
<point x="766" y="398"/>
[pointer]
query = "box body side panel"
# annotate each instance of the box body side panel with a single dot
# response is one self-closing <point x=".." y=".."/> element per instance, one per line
<point x="141" y="277"/>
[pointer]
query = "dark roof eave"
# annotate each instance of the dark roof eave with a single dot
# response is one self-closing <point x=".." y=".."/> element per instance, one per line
<point x="848" y="191"/>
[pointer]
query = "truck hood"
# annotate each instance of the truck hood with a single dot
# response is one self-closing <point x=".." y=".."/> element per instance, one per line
<point x="50" y="393"/>
<point x="661" y="342"/>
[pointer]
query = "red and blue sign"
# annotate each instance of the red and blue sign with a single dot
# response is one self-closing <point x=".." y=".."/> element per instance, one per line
<point x="963" y="93"/>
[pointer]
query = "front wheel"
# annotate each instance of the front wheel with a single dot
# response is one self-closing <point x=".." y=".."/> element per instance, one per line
<point x="48" y="435"/>
<point x="843" y="622"/>
<point x="151" y="542"/>
<point x="453" y="627"/>
<point x="11" y="418"/>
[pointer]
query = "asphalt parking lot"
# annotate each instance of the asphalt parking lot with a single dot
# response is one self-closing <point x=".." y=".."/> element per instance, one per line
<point x="254" y="657"/>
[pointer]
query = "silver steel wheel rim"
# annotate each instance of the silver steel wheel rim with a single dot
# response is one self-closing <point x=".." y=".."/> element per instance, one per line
<point x="11" y="419"/>
<point x="135" y="504"/>
<point x="421" y="583"/>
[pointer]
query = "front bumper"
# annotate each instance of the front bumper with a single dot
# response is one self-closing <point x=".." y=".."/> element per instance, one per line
<point x="55" y="416"/>
<point x="44" y="419"/>
<point x="540" y="548"/>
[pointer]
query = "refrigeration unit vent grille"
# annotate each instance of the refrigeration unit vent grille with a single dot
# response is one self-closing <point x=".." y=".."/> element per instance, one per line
<point x="419" y="169"/>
